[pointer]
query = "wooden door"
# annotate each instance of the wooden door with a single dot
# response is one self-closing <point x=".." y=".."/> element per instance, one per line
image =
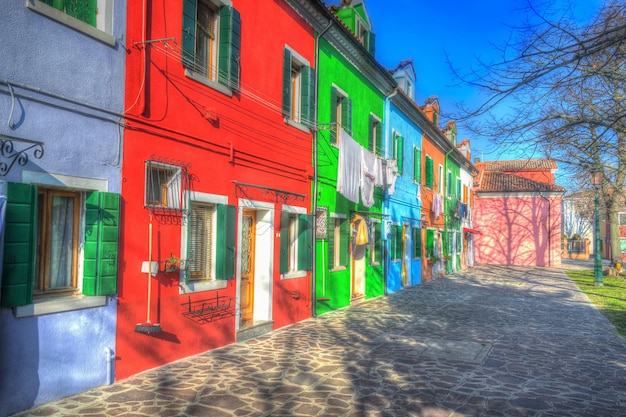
<point x="248" y="234"/>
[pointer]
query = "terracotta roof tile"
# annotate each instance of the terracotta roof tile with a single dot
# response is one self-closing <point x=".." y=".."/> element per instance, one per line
<point x="499" y="181"/>
<point x="518" y="165"/>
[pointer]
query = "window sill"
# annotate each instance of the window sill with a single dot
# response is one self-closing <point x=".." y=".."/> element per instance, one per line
<point x="71" y="22"/>
<point x="294" y="274"/>
<point x="59" y="305"/>
<point x="198" y="286"/>
<point x="338" y="268"/>
<point x="297" y="125"/>
<point x="209" y="83"/>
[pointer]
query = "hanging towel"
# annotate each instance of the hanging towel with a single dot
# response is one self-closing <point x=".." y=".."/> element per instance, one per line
<point x="392" y="172"/>
<point x="379" y="180"/>
<point x="419" y="193"/>
<point x="349" y="167"/>
<point x="368" y="177"/>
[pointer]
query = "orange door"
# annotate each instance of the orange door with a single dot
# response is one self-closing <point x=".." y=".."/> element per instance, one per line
<point x="246" y="301"/>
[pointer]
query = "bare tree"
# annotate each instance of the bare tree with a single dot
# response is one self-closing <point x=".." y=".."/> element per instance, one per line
<point x="559" y="92"/>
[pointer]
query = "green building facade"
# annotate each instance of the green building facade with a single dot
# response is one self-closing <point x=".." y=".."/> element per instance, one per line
<point x="351" y="90"/>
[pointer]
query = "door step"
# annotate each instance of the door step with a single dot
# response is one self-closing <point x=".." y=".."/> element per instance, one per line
<point x="254" y="330"/>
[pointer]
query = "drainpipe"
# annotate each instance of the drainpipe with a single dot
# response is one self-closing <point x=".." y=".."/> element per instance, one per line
<point x="110" y="357"/>
<point x="315" y="171"/>
<point x="549" y="228"/>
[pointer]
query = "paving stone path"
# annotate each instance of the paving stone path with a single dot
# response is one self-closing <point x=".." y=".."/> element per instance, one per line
<point x="489" y="341"/>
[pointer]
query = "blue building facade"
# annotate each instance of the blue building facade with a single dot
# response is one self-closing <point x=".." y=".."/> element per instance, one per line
<point x="61" y="106"/>
<point x="403" y="203"/>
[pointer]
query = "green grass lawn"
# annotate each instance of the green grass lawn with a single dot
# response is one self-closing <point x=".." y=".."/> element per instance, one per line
<point x="610" y="298"/>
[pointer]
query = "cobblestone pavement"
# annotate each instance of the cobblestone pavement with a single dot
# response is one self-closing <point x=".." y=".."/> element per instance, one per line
<point x="489" y="341"/>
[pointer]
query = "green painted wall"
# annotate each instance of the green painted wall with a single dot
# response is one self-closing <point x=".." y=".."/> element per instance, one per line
<point x="335" y="70"/>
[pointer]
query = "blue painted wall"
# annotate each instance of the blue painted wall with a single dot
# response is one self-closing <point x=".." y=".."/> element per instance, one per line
<point x="403" y="206"/>
<point x="64" y="88"/>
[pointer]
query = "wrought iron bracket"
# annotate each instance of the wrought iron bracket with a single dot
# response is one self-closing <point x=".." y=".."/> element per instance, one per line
<point x="10" y="153"/>
<point x="279" y="194"/>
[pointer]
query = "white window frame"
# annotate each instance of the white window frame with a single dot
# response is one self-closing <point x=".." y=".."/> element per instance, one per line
<point x="337" y="242"/>
<point x="61" y="304"/>
<point x="294" y="212"/>
<point x="187" y="286"/>
<point x="441" y="181"/>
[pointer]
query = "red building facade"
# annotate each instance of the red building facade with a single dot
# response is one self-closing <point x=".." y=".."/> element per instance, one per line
<point x="216" y="177"/>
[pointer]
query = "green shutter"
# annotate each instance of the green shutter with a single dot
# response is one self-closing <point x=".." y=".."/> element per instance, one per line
<point x="20" y="237"/>
<point x="102" y="227"/>
<point x="189" y="32"/>
<point x="331" y="242"/>
<point x="370" y="135"/>
<point x="286" y="83"/>
<point x="84" y="10"/>
<point x="344" y="239"/>
<point x="400" y="153"/>
<point x="430" y="242"/>
<point x="378" y="250"/>
<point x="346" y="115"/>
<point x="334" y="129"/>
<point x="429" y="171"/>
<point x="305" y="242"/>
<point x="284" y="242"/>
<point x="229" y="48"/>
<point x="417" y="165"/>
<point x="308" y="95"/>
<point x="417" y="242"/>
<point x="371" y="43"/>
<point x="225" y="240"/>
<point x="397" y="249"/>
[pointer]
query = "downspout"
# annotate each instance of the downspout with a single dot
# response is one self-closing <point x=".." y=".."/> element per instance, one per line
<point x="385" y="261"/>
<point x="549" y="228"/>
<point x="315" y="171"/>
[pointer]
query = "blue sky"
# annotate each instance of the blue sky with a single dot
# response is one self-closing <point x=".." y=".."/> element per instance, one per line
<point x="464" y="30"/>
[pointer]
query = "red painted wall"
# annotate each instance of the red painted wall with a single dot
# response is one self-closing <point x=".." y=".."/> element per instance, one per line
<point x="247" y="141"/>
<point x="518" y="230"/>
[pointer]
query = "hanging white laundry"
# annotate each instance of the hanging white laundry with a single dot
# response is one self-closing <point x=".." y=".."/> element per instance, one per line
<point x="379" y="180"/>
<point x="392" y="173"/>
<point x="418" y="195"/>
<point x="349" y="167"/>
<point x="368" y="177"/>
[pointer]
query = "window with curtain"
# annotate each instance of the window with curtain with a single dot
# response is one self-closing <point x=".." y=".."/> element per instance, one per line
<point x="57" y="241"/>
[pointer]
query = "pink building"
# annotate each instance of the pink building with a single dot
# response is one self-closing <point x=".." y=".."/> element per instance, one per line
<point x="518" y="213"/>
